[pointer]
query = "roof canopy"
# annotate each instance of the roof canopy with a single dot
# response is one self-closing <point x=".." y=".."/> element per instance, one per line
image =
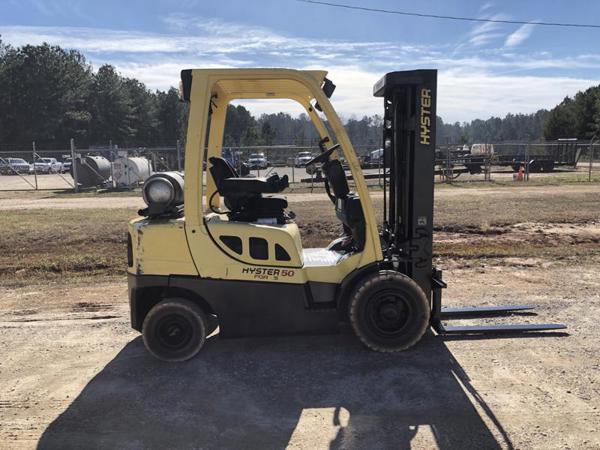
<point x="265" y="83"/>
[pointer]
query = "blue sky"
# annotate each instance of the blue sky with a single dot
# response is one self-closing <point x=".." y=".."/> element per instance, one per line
<point x="485" y="69"/>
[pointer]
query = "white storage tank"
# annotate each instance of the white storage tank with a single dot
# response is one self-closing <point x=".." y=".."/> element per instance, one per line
<point x="92" y="171"/>
<point x="130" y="171"/>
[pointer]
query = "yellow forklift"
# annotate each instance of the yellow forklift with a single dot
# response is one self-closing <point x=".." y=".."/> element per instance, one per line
<point x="194" y="266"/>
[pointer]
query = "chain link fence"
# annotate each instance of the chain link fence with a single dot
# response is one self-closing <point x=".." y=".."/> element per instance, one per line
<point x="30" y="167"/>
<point x="518" y="160"/>
<point x="65" y="167"/>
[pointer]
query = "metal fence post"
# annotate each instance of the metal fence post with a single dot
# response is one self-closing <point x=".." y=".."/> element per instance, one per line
<point x="178" y="156"/>
<point x="74" y="166"/>
<point x="527" y="162"/>
<point x="111" y="154"/>
<point x="448" y="174"/>
<point x="33" y="162"/>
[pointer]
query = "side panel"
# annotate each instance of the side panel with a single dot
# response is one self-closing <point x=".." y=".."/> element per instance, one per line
<point x="160" y="247"/>
<point x="260" y="309"/>
<point x="287" y="236"/>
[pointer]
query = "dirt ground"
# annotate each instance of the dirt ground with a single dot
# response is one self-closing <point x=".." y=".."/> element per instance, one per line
<point x="74" y="375"/>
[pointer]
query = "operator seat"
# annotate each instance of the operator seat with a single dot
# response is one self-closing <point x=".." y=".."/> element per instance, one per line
<point x="348" y="208"/>
<point x="244" y="196"/>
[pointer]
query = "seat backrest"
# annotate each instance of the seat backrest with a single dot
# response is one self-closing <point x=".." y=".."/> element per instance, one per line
<point x="337" y="178"/>
<point x="220" y="170"/>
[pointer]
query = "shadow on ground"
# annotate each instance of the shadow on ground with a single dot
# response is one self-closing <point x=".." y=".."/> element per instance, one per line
<point x="250" y="393"/>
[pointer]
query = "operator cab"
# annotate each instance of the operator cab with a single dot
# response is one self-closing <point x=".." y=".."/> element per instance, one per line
<point x="256" y="227"/>
<point x="254" y="206"/>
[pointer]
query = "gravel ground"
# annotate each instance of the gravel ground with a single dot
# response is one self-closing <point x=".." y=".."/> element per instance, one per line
<point x="74" y="375"/>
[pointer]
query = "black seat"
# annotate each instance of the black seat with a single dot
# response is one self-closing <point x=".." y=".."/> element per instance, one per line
<point x="348" y="208"/>
<point x="244" y="196"/>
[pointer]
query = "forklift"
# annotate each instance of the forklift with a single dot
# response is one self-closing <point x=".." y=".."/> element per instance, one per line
<point x="194" y="265"/>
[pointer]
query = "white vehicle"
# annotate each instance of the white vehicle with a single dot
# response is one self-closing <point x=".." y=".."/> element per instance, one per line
<point x="302" y="158"/>
<point x="66" y="166"/>
<point x="47" y="165"/>
<point x="377" y="155"/>
<point x="10" y="166"/>
<point x="482" y="149"/>
<point x="258" y="161"/>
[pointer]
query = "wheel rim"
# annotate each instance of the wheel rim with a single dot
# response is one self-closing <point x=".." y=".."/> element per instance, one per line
<point x="174" y="331"/>
<point x="388" y="313"/>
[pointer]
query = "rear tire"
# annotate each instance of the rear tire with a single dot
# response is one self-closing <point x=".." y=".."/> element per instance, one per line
<point x="389" y="312"/>
<point x="175" y="329"/>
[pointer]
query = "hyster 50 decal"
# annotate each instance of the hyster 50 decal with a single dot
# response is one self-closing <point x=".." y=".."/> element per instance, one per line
<point x="263" y="273"/>
<point x="425" y="116"/>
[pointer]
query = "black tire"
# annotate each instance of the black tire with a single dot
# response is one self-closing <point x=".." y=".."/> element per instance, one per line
<point x="389" y="312"/>
<point x="175" y="329"/>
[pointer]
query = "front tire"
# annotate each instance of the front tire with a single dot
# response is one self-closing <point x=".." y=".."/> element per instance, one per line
<point x="389" y="312"/>
<point x="175" y="329"/>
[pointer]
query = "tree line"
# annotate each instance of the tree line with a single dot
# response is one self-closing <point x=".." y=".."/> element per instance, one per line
<point x="49" y="94"/>
<point x="575" y="117"/>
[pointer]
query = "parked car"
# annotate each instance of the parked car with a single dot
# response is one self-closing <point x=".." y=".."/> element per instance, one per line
<point x="302" y="158"/>
<point x="258" y="161"/>
<point x="10" y="166"/>
<point x="47" y="165"/>
<point x="66" y="165"/>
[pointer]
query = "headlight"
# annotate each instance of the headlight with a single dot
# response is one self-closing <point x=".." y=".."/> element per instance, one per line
<point x="163" y="193"/>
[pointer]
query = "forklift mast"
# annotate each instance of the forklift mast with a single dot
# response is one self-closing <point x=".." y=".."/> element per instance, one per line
<point x="409" y="100"/>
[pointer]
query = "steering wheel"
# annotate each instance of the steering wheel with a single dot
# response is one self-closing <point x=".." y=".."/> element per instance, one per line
<point x="323" y="156"/>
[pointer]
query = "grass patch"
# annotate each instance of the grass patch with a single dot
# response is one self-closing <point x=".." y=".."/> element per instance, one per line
<point x="59" y="245"/>
<point x="51" y="245"/>
<point x="481" y="250"/>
